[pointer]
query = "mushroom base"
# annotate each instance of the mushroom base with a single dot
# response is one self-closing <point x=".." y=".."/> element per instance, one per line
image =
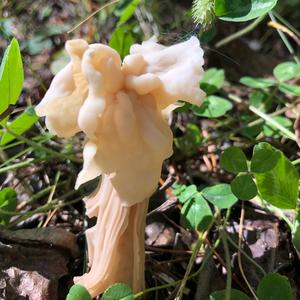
<point x="115" y="243"/>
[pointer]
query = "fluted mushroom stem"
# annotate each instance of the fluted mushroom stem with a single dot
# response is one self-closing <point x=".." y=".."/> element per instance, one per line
<point x="116" y="242"/>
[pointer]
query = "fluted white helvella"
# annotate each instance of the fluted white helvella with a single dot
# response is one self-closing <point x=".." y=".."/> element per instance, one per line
<point x="122" y="109"/>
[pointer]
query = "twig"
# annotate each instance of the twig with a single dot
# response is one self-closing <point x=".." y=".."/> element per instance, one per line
<point x="282" y="28"/>
<point x="285" y="40"/>
<point x="91" y="15"/>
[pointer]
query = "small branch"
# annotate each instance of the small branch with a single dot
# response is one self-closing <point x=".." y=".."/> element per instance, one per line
<point x="285" y="40"/>
<point x="91" y="15"/>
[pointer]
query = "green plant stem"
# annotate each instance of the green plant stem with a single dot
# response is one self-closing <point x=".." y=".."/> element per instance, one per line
<point x="246" y="255"/>
<point x="171" y="284"/>
<point x="273" y="122"/>
<point x="228" y="264"/>
<point x="266" y="117"/>
<point x="8" y="161"/>
<point x="285" y="40"/>
<point x="286" y="23"/>
<point x="241" y="226"/>
<point x="43" y="148"/>
<point x="241" y="32"/>
<point x="296" y="162"/>
<point x="42" y="209"/>
<point x="17" y="165"/>
<point x="201" y="237"/>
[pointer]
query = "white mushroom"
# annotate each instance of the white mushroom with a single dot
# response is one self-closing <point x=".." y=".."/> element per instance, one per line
<point x="121" y="109"/>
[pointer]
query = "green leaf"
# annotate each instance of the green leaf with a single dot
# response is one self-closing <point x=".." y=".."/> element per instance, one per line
<point x="271" y="131"/>
<point x="212" y="80"/>
<point x="78" y="292"/>
<point x="290" y="89"/>
<point x="187" y="193"/>
<point x="118" y="291"/>
<point x="234" y="160"/>
<point x="259" y="100"/>
<point x="212" y="107"/>
<point x="259" y="83"/>
<point x="220" y="195"/>
<point x="11" y="76"/>
<point x="263" y="145"/>
<point x="279" y="186"/>
<point x="128" y="12"/>
<point x="287" y="71"/>
<point x="274" y="286"/>
<point x="295" y="228"/>
<point x="242" y="10"/>
<point x="8" y="202"/>
<point x="296" y="236"/>
<point x="178" y="188"/>
<point x="244" y="187"/>
<point x="188" y="143"/>
<point x="264" y="160"/>
<point x="250" y="131"/>
<point x="234" y="295"/>
<point x="196" y="214"/>
<point x="19" y="125"/>
<point x="121" y="40"/>
<point x="37" y="44"/>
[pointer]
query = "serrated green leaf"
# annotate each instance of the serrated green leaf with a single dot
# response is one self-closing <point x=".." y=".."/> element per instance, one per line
<point x="212" y="107"/>
<point x="19" y="125"/>
<point x="264" y="160"/>
<point x="196" y="214"/>
<point x="234" y="295"/>
<point x="8" y="202"/>
<point x="259" y="83"/>
<point x="220" y="195"/>
<point x="244" y="187"/>
<point x="279" y="186"/>
<point x="11" y="76"/>
<point x="78" y="292"/>
<point x="242" y="10"/>
<point x="287" y="71"/>
<point x="212" y="80"/>
<point x="234" y="160"/>
<point x="274" y="286"/>
<point x="118" y="291"/>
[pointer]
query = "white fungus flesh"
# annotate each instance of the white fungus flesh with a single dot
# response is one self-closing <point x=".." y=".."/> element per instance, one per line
<point x="121" y="108"/>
